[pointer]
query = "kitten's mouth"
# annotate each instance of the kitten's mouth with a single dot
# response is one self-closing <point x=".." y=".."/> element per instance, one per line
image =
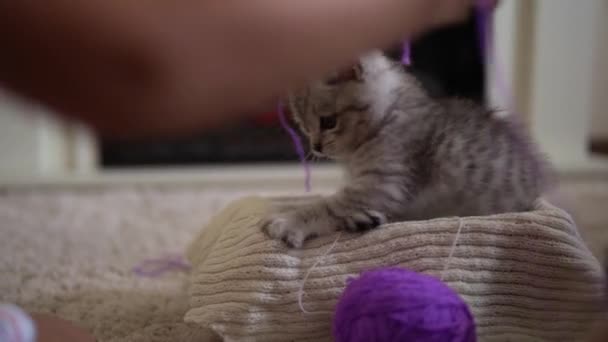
<point x="319" y="155"/>
<point x="323" y="156"/>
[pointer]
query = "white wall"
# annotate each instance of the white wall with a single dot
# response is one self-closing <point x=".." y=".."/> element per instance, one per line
<point x="599" y="119"/>
<point x="19" y="138"/>
<point x="32" y="144"/>
<point x="503" y="66"/>
<point x="564" y="64"/>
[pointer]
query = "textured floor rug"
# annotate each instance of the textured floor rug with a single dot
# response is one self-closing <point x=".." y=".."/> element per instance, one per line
<point x="72" y="252"/>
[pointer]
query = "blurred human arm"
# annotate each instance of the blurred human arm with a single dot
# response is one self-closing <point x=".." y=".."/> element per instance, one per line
<point x="132" y="68"/>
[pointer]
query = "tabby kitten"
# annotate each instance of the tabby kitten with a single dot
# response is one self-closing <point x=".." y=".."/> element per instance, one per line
<point x="406" y="156"/>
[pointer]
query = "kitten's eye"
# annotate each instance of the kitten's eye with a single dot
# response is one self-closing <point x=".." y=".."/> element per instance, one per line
<point x="328" y="122"/>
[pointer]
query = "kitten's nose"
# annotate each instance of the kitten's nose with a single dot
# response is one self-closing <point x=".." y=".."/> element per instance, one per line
<point x="318" y="147"/>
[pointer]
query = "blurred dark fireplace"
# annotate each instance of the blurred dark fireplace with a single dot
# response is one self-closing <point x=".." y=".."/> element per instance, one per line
<point x="447" y="61"/>
<point x="253" y="141"/>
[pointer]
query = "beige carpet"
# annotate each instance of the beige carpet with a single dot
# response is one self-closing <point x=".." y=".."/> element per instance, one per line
<point x="71" y="253"/>
<point x="587" y="202"/>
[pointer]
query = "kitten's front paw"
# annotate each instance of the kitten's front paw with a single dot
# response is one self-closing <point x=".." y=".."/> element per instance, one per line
<point x="288" y="229"/>
<point x="364" y="220"/>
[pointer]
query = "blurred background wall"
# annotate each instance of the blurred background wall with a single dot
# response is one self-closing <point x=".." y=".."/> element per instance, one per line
<point x="553" y="56"/>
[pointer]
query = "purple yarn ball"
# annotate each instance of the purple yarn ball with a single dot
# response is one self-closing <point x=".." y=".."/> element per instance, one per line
<point x="394" y="304"/>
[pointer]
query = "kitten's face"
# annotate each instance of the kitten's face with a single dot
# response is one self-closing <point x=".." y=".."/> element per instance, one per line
<point x="332" y="113"/>
<point x="337" y="114"/>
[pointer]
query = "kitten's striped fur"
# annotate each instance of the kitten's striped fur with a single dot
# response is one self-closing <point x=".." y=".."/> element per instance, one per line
<point x="407" y="156"/>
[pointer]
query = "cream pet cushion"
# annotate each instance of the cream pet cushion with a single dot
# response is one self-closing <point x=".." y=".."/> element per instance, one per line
<point x="525" y="276"/>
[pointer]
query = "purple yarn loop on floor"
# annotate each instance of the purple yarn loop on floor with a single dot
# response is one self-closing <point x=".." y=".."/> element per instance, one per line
<point x="153" y="268"/>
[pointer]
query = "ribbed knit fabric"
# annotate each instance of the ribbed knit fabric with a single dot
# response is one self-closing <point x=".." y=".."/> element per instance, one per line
<point x="525" y="276"/>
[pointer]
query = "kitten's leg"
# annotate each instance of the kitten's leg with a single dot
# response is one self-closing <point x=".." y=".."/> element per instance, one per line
<point x="347" y="210"/>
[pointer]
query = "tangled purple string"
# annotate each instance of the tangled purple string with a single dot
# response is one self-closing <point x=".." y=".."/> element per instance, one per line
<point x="297" y="143"/>
<point x="152" y="268"/>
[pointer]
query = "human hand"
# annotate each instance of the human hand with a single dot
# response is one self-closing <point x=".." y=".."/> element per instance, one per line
<point x="184" y="66"/>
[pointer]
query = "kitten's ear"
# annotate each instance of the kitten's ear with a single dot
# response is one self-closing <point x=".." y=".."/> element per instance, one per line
<point x="394" y="53"/>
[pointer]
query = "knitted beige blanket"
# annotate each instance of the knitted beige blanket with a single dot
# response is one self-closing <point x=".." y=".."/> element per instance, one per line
<point x="525" y="276"/>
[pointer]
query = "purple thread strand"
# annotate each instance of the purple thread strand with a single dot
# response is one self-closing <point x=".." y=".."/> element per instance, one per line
<point x="297" y="144"/>
<point x="483" y="16"/>
<point x="407" y="54"/>
<point x="153" y="268"/>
